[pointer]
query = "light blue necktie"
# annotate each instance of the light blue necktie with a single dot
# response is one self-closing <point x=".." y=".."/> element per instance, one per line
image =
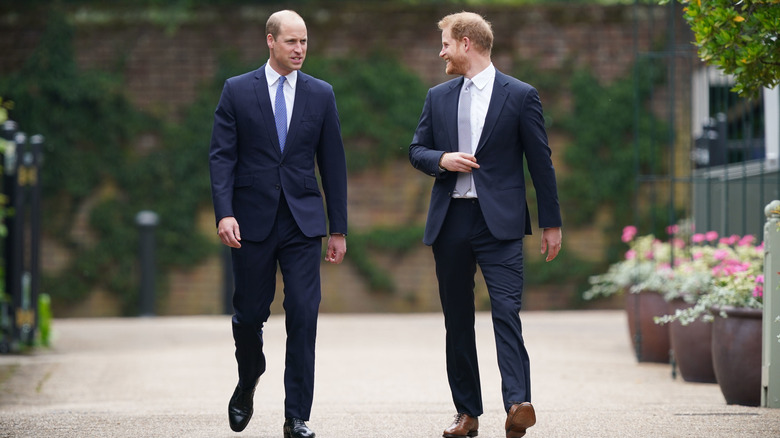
<point x="463" y="184"/>
<point x="281" y="113"/>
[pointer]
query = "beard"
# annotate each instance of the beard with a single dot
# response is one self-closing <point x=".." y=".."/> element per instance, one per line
<point x="457" y="65"/>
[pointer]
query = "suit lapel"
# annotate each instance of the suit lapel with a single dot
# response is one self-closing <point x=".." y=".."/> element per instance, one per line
<point x="451" y="112"/>
<point x="494" y="109"/>
<point x="301" y="99"/>
<point x="266" y="110"/>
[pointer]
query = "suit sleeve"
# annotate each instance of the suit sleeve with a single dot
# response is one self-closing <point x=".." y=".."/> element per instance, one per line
<point x="422" y="154"/>
<point x="538" y="156"/>
<point x="223" y="155"/>
<point x="332" y="163"/>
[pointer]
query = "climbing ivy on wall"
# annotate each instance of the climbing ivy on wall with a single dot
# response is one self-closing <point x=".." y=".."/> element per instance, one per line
<point x="377" y="119"/>
<point x="105" y="160"/>
<point x="99" y="166"/>
<point x="95" y="172"/>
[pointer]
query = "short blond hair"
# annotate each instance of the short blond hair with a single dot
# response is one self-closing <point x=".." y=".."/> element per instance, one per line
<point x="472" y="26"/>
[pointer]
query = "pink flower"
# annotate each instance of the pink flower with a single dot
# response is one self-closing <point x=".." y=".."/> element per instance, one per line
<point x="672" y="229"/>
<point x="720" y="254"/>
<point x="697" y="255"/>
<point x="758" y="291"/>
<point x="628" y="233"/>
<point x="698" y="238"/>
<point x="630" y="254"/>
<point x="678" y="243"/>
<point x="747" y="240"/>
<point x="711" y="236"/>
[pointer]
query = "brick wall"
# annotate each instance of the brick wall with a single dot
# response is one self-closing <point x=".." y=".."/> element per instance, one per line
<point x="165" y="66"/>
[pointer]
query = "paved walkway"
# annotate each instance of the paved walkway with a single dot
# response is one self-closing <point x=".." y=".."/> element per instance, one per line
<point x="377" y="376"/>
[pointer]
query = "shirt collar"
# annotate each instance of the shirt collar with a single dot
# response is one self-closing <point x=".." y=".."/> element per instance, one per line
<point x="272" y="76"/>
<point x="482" y="78"/>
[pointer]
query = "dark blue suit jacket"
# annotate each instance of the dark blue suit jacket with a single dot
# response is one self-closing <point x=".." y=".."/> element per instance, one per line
<point x="514" y="129"/>
<point x="249" y="171"/>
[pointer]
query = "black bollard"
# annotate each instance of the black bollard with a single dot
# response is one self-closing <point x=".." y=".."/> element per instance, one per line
<point x="34" y="181"/>
<point x="147" y="222"/>
<point x="7" y="132"/>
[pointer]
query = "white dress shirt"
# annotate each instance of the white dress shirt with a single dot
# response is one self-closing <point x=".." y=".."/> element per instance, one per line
<point x="272" y="77"/>
<point x="481" y="91"/>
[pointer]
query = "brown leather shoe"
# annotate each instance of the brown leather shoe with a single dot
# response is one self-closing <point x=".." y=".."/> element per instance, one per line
<point x="464" y="426"/>
<point x="520" y="418"/>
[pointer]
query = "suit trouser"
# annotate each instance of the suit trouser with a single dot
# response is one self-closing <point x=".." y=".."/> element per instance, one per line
<point x="254" y="271"/>
<point x="463" y="242"/>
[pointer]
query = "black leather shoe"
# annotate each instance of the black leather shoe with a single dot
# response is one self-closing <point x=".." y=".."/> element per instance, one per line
<point x="296" y="428"/>
<point x="240" y="408"/>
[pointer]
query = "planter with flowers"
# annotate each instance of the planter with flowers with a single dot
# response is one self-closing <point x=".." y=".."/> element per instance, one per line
<point x="690" y="341"/>
<point x="733" y="302"/>
<point x="649" y="340"/>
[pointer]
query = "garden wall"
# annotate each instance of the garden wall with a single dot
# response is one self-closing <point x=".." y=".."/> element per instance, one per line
<point x="165" y="60"/>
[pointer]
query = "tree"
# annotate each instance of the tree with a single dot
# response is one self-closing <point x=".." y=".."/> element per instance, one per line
<point x="739" y="37"/>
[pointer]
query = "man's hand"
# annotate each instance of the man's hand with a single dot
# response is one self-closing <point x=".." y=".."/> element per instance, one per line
<point x="551" y="241"/>
<point x="228" y="232"/>
<point x="458" y="162"/>
<point x="337" y="247"/>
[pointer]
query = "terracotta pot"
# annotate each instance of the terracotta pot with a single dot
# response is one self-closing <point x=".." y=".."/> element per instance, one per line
<point x="736" y="355"/>
<point x="650" y="340"/>
<point x="692" y="347"/>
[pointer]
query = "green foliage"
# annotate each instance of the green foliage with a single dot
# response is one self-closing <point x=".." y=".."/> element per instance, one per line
<point x="376" y="119"/>
<point x="44" y="320"/>
<point x="741" y="38"/>
<point x="603" y="161"/>
<point x="396" y="241"/>
<point x="92" y="160"/>
<point x="95" y="164"/>
<point x="567" y="268"/>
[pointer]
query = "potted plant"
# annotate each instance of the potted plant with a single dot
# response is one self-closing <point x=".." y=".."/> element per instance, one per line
<point x="689" y="278"/>
<point x="640" y="266"/>
<point x="733" y="302"/>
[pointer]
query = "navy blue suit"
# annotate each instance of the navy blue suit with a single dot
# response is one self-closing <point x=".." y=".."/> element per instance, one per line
<point x="278" y="205"/>
<point x="488" y="231"/>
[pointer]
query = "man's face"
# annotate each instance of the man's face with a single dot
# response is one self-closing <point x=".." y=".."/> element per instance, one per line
<point x="453" y="53"/>
<point x="288" y="50"/>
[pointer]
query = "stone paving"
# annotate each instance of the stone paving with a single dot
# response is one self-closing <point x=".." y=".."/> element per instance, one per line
<point x="378" y="375"/>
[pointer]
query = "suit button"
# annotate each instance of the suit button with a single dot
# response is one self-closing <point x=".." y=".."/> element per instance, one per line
<point x="277" y="186"/>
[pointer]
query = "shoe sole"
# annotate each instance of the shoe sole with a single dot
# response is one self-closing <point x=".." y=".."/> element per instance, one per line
<point x="473" y="433"/>
<point x="520" y="421"/>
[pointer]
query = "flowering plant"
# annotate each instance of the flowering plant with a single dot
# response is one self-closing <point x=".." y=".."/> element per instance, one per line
<point x="647" y="265"/>
<point x="636" y="267"/>
<point x="707" y="270"/>
<point x="731" y="273"/>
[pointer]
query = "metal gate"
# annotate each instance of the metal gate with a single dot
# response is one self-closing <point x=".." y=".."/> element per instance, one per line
<point x="719" y="150"/>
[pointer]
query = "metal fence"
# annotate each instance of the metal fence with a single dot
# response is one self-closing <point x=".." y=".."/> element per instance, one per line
<point x="21" y="200"/>
<point x="719" y="150"/>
